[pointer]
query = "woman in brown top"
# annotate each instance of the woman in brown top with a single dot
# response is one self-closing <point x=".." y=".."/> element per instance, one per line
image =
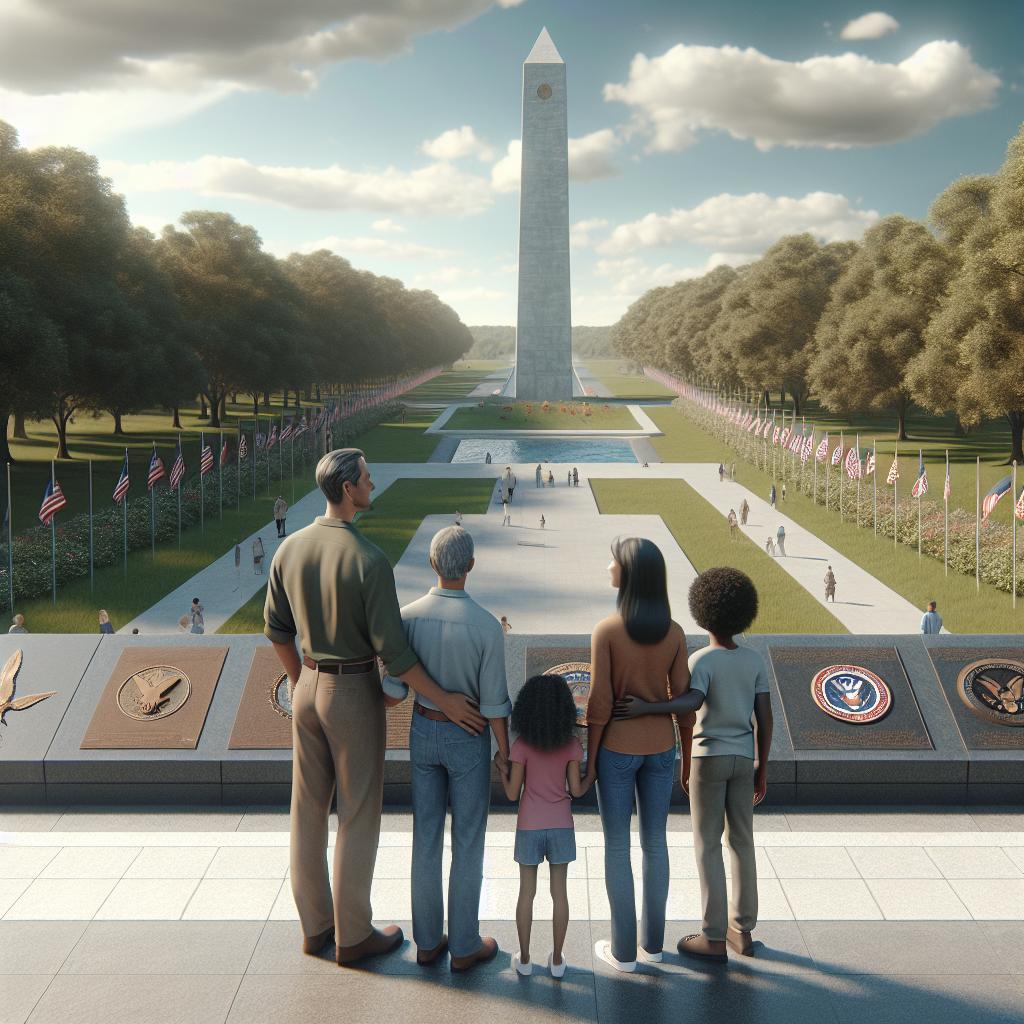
<point x="637" y="652"/>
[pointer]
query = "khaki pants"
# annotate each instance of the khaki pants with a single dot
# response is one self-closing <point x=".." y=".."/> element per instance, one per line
<point x="338" y="733"/>
<point x="722" y="795"/>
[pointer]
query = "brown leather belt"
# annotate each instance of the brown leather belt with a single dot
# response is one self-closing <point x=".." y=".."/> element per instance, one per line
<point x="434" y="716"/>
<point x="345" y="668"/>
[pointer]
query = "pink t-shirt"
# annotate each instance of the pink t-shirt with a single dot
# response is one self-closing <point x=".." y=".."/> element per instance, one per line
<point x="545" y="801"/>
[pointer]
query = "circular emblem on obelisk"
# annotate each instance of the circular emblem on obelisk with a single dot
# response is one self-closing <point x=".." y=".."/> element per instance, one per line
<point x="544" y="91"/>
<point x="281" y="697"/>
<point x="850" y="693"/>
<point x="153" y="693"/>
<point x="577" y="675"/>
<point x="992" y="688"/>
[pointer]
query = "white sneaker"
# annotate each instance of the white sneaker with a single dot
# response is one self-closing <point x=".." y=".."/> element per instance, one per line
<point x="525" y="970"/>
<point x="651" y="958"/>
<point x="557" y="970"/>
<point x="603" y="951"/>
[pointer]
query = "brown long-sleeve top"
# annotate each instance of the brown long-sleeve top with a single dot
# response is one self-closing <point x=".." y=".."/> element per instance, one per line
<point x="621" y="667"/>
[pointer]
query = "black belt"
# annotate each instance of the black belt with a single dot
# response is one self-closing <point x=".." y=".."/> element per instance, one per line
<point x="345" y="668"/>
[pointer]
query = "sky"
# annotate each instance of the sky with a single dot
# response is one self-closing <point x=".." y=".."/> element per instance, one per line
<point x="387" y="130"/>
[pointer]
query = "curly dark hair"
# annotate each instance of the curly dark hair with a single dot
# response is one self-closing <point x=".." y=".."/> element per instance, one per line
<point x="723" y="601"/>
<point x="544" y="713"/>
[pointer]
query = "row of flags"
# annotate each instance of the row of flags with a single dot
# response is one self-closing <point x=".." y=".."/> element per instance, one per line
<point x="855" y="462"/>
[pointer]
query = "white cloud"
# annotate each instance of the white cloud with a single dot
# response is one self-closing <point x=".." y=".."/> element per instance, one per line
<point x="834" y="101"/>
<point x="435" y="189"/>
<point x="744" y="223"/>
<point x="387" y="226"/>
<point x="590" y="157"/>
<point x="367" y="246"/>
<point x="457" y="143"/>
<point x="872" y="25"/>
<point x="580" y="232"/>
<point x="445" y="276"/>
<point x="480" y="304"/>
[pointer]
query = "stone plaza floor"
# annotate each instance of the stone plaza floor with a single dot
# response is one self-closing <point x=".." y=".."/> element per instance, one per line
<point x="185" y="915"/>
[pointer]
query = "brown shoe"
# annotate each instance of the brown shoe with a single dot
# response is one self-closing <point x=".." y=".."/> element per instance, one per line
<point x="377" y="943"/>
<point x="739" y="942"/>
<point x="313" y="944"/>
<point x="488" y="951"/>
<point x="425" y="957"/>
<point x="700" y="948"/>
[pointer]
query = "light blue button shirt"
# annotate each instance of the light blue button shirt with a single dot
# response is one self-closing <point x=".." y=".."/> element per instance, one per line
<point x="462" y="648"/>
<point x="931" y="622"/>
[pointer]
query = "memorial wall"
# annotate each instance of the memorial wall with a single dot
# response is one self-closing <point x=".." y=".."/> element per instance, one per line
<point x="207" y="719"/>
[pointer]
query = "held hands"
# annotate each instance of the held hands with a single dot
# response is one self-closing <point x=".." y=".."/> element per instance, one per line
<point x="465" y="713"/>
<point x="760" y="785"/>
<point x="502" y="764"/>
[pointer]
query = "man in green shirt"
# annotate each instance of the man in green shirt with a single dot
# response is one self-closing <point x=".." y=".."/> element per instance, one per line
<point x="335" y="591"/>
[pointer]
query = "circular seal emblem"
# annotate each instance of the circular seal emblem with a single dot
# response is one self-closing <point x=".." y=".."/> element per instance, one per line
<point x="281" y="697"/>
<point x="153" y="693"/>
<point x="992" y="688"/>
<point x="577" y="675"/>
<point x="544" y="91"/>
<point x="851" y="694"/>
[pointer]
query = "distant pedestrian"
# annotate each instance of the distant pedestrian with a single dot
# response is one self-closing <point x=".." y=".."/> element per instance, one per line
<point x="830" y="584"/>
<point x="744" y="512"/>
<point x="732" y="471"/>
<point x="280" y="512"/>
<point x="780" y="540"/>
<point x="733" y="524"/>
<point x="721" y="473"/>
<point x="931" y="621"/>
<point x="506" y="517"/>
<point x="551" y="479"/>
<point x="195" y="617"/>
<point x="543" y="521"/>
<point x="487" y="459"/>
<point x="258" y="554"/>
<point x="769" y="546"/>
<point x="505" y="625"/>
<point x="771" y="496"/>
<point x="18" y="624"/>
<point x="575" y="477"/>
<point x="458" y="518"/>
<point x="783" y="492"/>
<point x="135" y="631"/>
<point x="105" y="624"/>
<point x="569" y="479"/>
<point x="539" y="476"/>
<point x="508" y="480"/>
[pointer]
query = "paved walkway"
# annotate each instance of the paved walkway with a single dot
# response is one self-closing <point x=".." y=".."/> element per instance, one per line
<point x="184" y="915"/>
<point x="492" y="382"/>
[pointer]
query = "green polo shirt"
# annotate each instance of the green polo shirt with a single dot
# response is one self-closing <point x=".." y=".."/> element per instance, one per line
<point x="334" y="590"/>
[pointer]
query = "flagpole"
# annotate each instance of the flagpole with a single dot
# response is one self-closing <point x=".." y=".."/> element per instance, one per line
<point x="1013" y="498"/>
<point x="977" y="524"/>
<point x="874" y="486"/>
<point x="202" y="483"/>
<point x="945" y="520"/>
<point x="10" y="540"/>
<point x="255" y="433"/>
<point x="895" y="498"/>
<point x="124" y="503"/>
<point x="920" y="461"/>
<point x="152" y="510"/>
<point x="238" y="489"/>
<point x="859" y="474"/>
<point x="178" y="489"/>
<point x="280" y="452"/>
<point x="842" y="469"/>
<point x="266" y="451"/>
<point x="220" y="479"/>
<point x="53" y="535"/>
<point x="92" y="582"/>
<point x="292" y="439"/>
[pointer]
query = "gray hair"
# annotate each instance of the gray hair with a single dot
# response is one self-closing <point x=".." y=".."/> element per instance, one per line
<point x="337" y="468"/>
<point x="451" y="551"/>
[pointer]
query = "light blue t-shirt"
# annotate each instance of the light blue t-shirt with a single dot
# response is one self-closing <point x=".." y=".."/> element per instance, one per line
<point x="729" y="680"/>
<point x="931" y="622"/>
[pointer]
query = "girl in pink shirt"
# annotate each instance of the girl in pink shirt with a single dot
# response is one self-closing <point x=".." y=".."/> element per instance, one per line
<point x="544" y="759"/>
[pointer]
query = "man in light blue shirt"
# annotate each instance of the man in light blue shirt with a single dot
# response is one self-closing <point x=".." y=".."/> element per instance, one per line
<point x="462" y="646"/>
<point x="931" y="621"/>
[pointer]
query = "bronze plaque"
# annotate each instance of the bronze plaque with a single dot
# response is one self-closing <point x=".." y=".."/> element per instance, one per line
<point x="573" y="665"/>
<point x="264" y="717"/>
<point x="156" y="697"/>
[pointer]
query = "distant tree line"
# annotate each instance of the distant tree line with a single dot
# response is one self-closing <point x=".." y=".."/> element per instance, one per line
<point x="498" y="342"/>
<point x="930" y="314"/>
<point x="99" y="316"/>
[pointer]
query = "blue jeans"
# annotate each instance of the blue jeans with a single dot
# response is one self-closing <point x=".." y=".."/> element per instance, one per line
<point x="448" y="764"/>
<point x="648" y="778"/>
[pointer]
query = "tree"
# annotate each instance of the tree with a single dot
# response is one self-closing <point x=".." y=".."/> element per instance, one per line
<point x="874" y="323"/>
<point x="770" y="312"/>
<point x="973" y="357"/>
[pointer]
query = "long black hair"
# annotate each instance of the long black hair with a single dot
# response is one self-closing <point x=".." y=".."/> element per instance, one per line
<point x="643" y="589"/>
<point x="544" y="713"/>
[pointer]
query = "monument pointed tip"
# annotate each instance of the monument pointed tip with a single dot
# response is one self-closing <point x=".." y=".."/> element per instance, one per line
<point x="544" y="50"/>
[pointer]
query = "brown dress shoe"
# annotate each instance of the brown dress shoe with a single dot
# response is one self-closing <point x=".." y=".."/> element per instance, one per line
<point x="488" y="951"/>
<point x="425" y="957"/>
<point x="700" y="948"/>
<point x="312" y="944"/>
<point x="377" y="943"/>
<point x="739" y="942"/>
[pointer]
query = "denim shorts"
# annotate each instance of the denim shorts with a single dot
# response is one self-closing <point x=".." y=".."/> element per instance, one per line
<point x="534" y="844"/>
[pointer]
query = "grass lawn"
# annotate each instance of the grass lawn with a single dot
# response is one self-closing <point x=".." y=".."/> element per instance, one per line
<point x="391" y="524"/>
<point x="449" y="386"/>
<point x="963" y="608"/>
<point x="625" y="385"/>
<point x="498" y="415"/>
<point x="484" y="365"/>
<point x="702" y="533"/>
<point x="395" y="441"/>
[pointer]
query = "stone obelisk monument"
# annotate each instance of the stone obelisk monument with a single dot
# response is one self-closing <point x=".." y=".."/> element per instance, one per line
<point x="543" y="367"/>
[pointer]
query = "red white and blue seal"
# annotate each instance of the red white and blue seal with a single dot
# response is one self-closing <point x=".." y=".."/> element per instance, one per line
<point x="851" y="694"/>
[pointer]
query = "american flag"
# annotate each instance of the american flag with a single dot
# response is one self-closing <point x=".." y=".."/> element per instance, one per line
<point x="1018" y="509"/>
<point x="206" y="460"/>
<point x="53" y="502"/>
<point x="123" y="483"/>
<point x="775" y="436"/>
<point x="768" y="428"/>
<point x="869" y="463"/>
<point x="784" y="436"/>
<point x="754" y="426"/>
<point x="894" y="471"/>
<point x="243" y="448"/>
<point x="300" y="429"/>
<point x="853" y="464"/>
<point x="260" y="439"/>
<point x="993" y="496"/>
<point x="272" y="439"/>
<point x="808" y="447"/>
<point x="796" y="442"/>
<point x="837" y="454"/>
<point x="288" y="430"/>
<point x="921" y="483"/>
<point x="822" y="453"/>
<point x="178" y="469"/>
<point x="336" y="414"/>
<point x="224" y="453"/>
<point x="947" y="491"/>
<point x="156" y="470"/>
